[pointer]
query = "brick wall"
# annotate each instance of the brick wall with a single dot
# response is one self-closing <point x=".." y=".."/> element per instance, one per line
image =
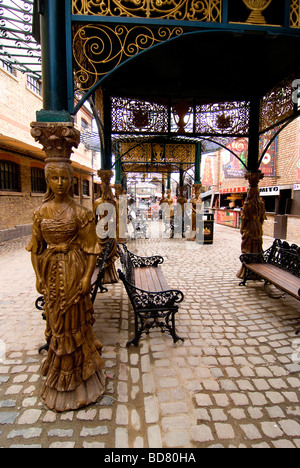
<point x="17" y="208"/>
<point x="287" y="154"/>
<point x="18" y="107"/>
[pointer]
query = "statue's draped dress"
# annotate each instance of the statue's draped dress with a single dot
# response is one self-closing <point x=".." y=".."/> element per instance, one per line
<point x="73" y="367"/>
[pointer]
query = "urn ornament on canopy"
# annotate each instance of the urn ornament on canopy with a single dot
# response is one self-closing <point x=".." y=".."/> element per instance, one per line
<point x="257" y="7"/>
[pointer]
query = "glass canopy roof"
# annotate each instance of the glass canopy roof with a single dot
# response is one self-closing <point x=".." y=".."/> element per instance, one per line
<point x="18" y="48"/>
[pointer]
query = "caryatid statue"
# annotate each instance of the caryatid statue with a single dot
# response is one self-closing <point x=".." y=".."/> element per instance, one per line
<point x="110" y="209"/>
<point x="253" y="217"/>
<point x="196" y="203"/>
<point x="64" y="249"/>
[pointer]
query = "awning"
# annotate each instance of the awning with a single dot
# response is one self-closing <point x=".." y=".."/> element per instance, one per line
<point x="207" y="194"/>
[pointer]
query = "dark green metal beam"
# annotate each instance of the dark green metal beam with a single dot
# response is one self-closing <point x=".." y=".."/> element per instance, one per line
<point x="106" y="155"/>
<point x="198" y="164"/>
<point x="253" y="149"/>
<point x="54" y="61"/>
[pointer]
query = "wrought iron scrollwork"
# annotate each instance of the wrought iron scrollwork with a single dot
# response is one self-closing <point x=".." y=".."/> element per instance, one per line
<point x="18" y="48"/>
<point x="99" y="48"/>
<point x="191" y="10"/>
<point x="277" y="105"/>
<point x="281" y="254"/>
<point x="287" y="257"/>
<point x="295" y="14"/>
<point x="128" y="258"/>
<point x="101" y="264"/>
<point x="226" y="117"/>
<point x="137" y="115"/>
<point x="141" y="262"/>
<point x="145" y="300"/>
<point x="152" y="309"/>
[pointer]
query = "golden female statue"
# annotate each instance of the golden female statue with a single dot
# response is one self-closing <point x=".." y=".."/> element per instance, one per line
<point x="253" y="216"/>
<point x="110" y="273"/>
<point x="252" y="219"/>
<point x="196" y="203"/>
<point x="64" y="249"/>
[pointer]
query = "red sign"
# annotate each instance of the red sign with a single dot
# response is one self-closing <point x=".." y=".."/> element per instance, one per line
<point x="234" y="190"/>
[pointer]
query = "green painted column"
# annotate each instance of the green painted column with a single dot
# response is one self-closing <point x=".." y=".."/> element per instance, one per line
<point x="253" y="149"/>
<point x="106" y="156"/>
<point x="118" y="166"/>
<point x="124" y="181"/>
<point x="54" y="65"/>
<point x="169" y="182"/>
<point x="198" y="156"/>
<point x="181" y="178"/>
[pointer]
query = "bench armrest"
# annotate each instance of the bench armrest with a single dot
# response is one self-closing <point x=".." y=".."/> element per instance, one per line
<point x="137" y="261"/>
<point x="261" y="257"/>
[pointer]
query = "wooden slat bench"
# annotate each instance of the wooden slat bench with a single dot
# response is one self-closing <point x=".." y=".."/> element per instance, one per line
<point x="154" y="303"/>
<point x="279" y="265"/>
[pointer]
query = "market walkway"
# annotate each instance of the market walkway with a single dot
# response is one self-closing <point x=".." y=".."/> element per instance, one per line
<point x="234" y="382"/>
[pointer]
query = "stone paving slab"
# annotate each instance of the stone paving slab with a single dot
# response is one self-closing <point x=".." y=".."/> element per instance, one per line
<point x="234" y="382"/>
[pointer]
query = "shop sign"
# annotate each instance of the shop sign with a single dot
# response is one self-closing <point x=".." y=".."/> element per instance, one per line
<point x="297" y="187"/>
<point x="228" y="218"/>
<point x="265" y="191"/>
<point x="234" y="190"/>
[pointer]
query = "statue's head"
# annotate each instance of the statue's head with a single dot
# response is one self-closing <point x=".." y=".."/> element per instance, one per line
<point x="59" y="178"/>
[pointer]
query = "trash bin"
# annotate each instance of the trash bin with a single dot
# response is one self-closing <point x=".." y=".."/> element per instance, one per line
<point x="205" y="228"/>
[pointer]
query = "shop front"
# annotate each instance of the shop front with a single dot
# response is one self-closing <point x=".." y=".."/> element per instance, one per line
<point x="231" y="201"/>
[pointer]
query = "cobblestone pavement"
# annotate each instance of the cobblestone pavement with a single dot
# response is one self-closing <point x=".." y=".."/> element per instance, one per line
<point x="234" y="382"/>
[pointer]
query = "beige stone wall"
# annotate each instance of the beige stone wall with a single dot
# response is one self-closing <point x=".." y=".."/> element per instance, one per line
<point x="268" y="227"/>
<point x="293" y="229"/>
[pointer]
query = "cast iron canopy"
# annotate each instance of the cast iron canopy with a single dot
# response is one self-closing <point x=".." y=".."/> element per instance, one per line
<point x="221" y="66"/>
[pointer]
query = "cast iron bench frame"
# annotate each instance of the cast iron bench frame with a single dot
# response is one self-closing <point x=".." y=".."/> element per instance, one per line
<point x="98" y="275"/>
<point x="153" y="302"/>
<point x="279" y="265"/>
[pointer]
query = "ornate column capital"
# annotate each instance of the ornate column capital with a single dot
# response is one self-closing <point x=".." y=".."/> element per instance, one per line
<point x="118" y="190"/>
<point x="169" y="199"/>
<point x="254" y="178"/>
<point x="107" y="195"/>
<point x="197" y="190"/>
<point x="58" y="138"/>
<point x="181" y="199"/>
<point x="105" y="175"/>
